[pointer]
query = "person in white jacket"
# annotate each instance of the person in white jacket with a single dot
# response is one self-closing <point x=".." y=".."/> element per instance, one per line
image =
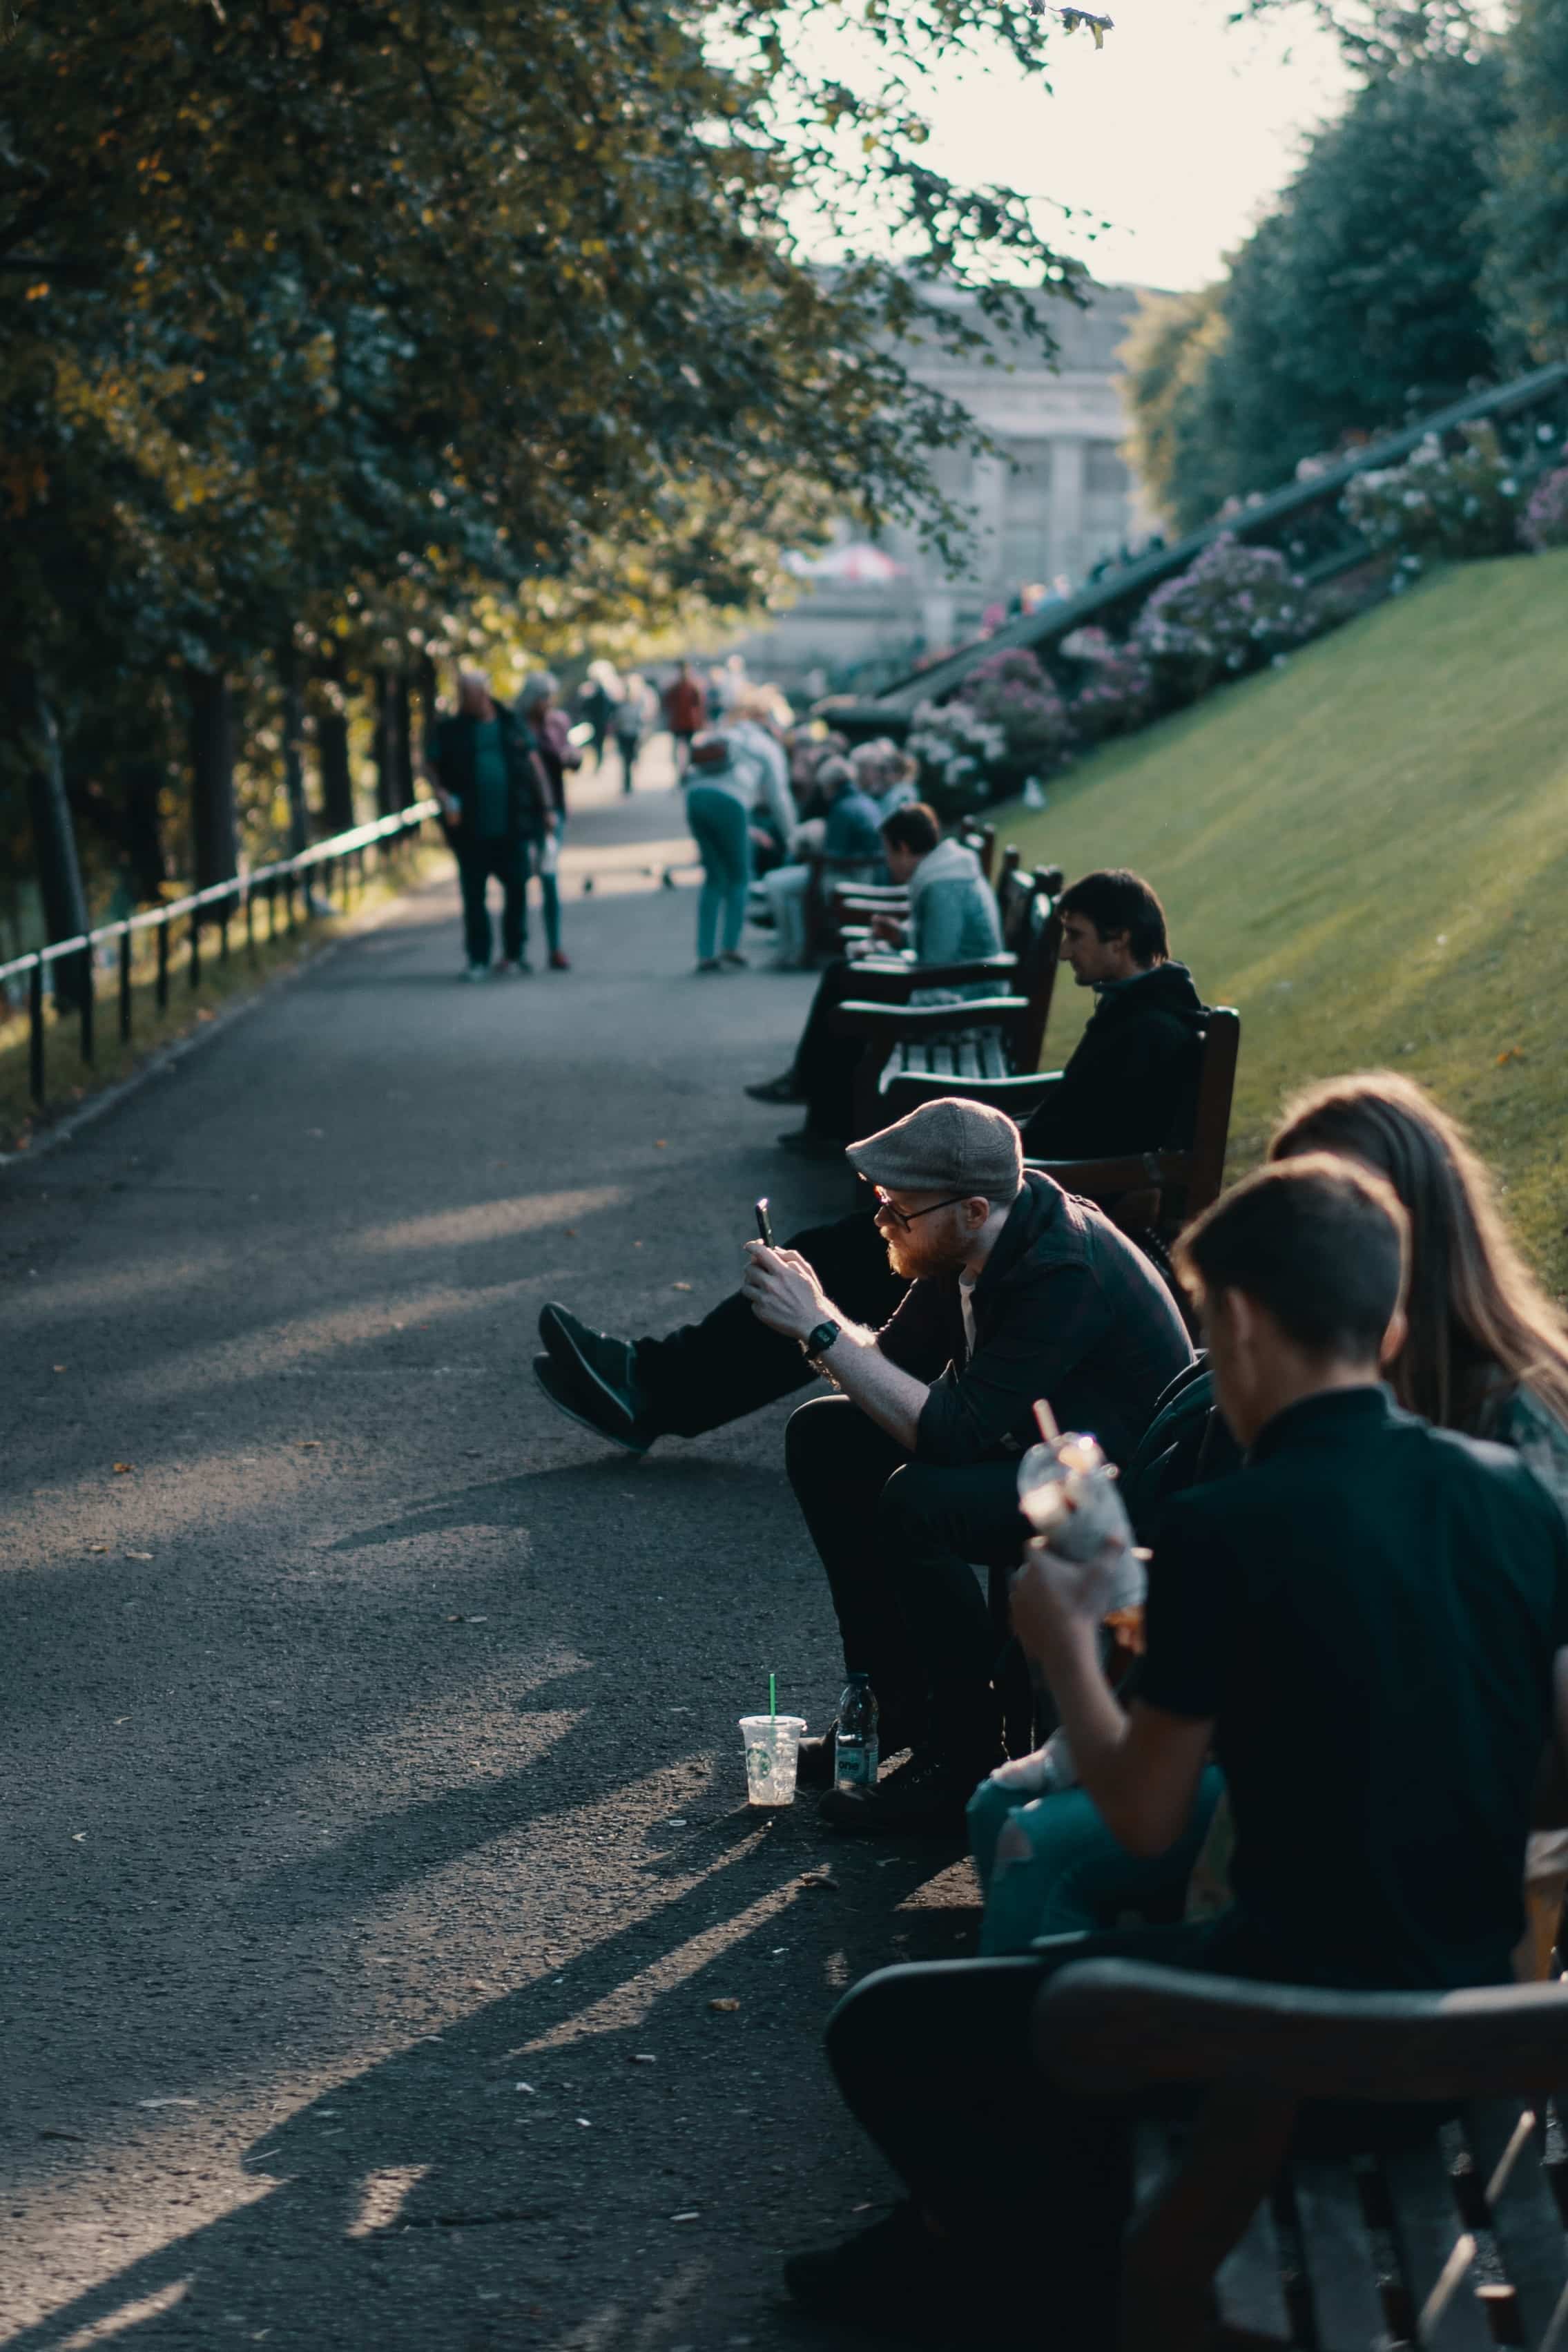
<point x="729" y="779"/>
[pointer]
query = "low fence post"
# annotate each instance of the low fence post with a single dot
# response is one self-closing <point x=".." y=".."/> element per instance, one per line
<point x="162" y="989"/>
<point x="35" y="1031"/>
<point x="87" y="1006"/>
<point x="125" y="985"/>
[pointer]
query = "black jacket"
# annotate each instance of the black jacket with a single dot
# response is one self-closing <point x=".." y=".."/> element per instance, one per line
<point x="1128" y="1085"/>
<point x="1066" y="1309"/>
<point x="450" y="754"/>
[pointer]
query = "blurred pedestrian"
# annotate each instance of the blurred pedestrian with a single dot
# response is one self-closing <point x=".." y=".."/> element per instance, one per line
<point x="847" y="841"/>
<point x="627" y="722"/>
<point x="551" y="738"/>
<point x="686" y="710"/>
<point x="598" y="699"/>
<point x="490" y="782"/>
<point x="728" y="782"/>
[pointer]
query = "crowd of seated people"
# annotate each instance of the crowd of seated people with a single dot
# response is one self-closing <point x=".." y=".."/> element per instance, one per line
<point x="1321" y="1766"/>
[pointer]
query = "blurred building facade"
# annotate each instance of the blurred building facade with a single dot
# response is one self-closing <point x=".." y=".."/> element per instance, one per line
<point x="1044" y="513"/>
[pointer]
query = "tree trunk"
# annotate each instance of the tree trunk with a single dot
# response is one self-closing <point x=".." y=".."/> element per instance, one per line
<point x="141" y="784"/>
<point x="337" y="773"/>
<point x="290" y="680"/>
<point x="386" y="744"/>
<point x="214" y="827"/>
<point x="49" y="815"/>
<point x="405" y="793"/>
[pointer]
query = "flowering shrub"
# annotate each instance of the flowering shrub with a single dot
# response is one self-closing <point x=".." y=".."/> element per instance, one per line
<point x="1010" y="690"/>
<point x="1458" y="503"/>
<point x="1117" y="689"/>
<point x="1545" y="523"/>
<point x="1234" y="607"/>
<point x="959" y="753"/>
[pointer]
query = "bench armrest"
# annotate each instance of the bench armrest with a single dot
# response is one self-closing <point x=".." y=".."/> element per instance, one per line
<point x="880" y="976"/>
<point x="889" y="1024"/>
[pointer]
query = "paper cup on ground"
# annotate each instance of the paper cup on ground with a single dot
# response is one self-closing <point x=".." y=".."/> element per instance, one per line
<point x="772" y="1744"/>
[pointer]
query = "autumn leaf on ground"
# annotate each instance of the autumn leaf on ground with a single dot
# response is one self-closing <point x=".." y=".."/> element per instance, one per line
<point x="122" y="1469"/>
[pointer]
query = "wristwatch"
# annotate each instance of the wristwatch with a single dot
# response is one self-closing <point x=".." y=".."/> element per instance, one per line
<point x="815" y="1344"/>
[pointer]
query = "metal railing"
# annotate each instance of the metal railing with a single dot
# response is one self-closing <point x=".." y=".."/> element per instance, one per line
<point x="341" y="860"/>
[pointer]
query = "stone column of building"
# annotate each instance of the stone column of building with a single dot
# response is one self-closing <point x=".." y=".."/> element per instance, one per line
<point x="1067" y="462"/>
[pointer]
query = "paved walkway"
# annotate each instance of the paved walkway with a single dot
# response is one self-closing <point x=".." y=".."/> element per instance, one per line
<point x="370" y="1781"/>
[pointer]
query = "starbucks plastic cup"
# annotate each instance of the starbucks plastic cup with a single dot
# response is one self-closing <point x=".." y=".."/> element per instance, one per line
<point x="773" y="1745"/>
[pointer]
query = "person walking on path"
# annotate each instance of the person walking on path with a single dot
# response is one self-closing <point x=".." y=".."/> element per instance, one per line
<point x="627" y="722"/>
<point x="729" y="780"/>
<point x="551" y="737"/>
<point x="686" y="710"/>
<point x="487" y="775"/>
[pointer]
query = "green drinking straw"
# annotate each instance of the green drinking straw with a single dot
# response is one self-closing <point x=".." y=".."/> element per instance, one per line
<point x="772" y="1698"/>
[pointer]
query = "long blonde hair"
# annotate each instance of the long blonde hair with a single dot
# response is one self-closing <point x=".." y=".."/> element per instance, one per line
<point x="1475" y="1309"/>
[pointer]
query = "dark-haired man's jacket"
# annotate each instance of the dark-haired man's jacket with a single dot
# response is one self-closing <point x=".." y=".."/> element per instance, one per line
<point x="1129" y="1082"/>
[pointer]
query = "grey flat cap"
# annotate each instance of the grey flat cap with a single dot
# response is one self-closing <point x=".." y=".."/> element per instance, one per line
<point x="948" y="1146"/>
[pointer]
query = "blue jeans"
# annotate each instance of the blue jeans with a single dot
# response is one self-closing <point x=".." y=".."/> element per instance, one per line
<point x="722" y="831"/>
<point x="1066" y="1874"/>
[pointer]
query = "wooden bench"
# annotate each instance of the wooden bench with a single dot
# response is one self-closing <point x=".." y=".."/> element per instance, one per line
<point x="940" y="1045"/>
<point x="1455" y="2242"/>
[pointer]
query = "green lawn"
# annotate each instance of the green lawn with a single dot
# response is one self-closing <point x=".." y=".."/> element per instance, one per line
<point x="1366" y="852"/>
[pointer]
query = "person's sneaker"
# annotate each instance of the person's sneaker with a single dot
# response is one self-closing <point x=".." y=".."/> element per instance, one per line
<point x="513" y="968"/>
<point x="475" y="971"/>
<point x="588" y="1408"/>
<point x="806" y="1144"/>
<point x="605" y="1365"/>
<point x="709" y="964"/>
<point x="558" y="961"/>
<point x="926" y="1796"/>
<point x="895" y="2278"/>
<point x="781" y="1089"/>
<point x="735" y="959"/>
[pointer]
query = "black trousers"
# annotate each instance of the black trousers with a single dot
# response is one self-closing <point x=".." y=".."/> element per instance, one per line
<point x="897" y="1537"/>
<point x="508" y="862"/>
<point x="727" y="1365"/>
<point x="825" y="1064"/>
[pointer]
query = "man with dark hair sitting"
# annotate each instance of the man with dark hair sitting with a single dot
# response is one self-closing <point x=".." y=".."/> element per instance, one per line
<point x="1127" y="1082"/>
<point x="696" y="1379"/>
<point x="1368" y="1623"/>
<point x="909" y="1474"/>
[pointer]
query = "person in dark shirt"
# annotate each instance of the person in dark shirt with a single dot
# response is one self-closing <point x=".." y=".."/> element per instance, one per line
<point x="1369" y="1624"/>
<point x="486" y="773"/>
<point x="1129" y="1082"/>
<point x="910" y="1474"/>
<point x="1126" y="1089"/>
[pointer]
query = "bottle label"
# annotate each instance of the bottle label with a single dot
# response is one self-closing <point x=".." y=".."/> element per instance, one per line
<point x="854" y="1764"/>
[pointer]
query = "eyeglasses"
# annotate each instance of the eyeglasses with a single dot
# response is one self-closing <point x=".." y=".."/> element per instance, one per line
<point x="884" y="1206"/>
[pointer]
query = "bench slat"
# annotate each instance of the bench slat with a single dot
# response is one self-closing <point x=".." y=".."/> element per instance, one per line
<point x="966" y="1059"/>
<point x="1436" y="2252"/>
<point x="1337" y="2252"/>
<point x="1248" y="2284"/>
<point x="993" y="1059"/>
<point x="915" y="1058"/>
<point x="1524" y="2216"/>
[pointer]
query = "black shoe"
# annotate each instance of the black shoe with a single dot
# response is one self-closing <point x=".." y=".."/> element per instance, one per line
<point x="590" y="1408"/>
<point x="735" y="959"/>
<point x="927" y="1796"/>
<point x="814" y="1769"/>
<point x="608" y="1362"/>
<point x="896" y="2279"/>
<point x="806" y="1144"/>
<point x="775" y="1090"/>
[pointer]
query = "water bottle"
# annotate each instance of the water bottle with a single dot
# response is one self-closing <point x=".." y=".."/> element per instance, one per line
<point x="855" y="1746"/>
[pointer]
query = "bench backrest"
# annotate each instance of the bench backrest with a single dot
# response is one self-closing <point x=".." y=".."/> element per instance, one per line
<point x="1032" y="929"/>
<point x="1219" y="2206"/>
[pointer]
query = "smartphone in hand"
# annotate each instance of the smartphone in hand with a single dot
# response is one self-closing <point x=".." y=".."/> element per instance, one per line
<point x="764" y="1222"/>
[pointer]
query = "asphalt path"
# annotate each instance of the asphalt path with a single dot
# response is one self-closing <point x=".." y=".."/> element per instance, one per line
<point x="389" y="1959"/>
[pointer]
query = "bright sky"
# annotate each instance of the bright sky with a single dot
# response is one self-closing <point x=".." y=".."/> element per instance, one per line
<point x="1178" y="132"/>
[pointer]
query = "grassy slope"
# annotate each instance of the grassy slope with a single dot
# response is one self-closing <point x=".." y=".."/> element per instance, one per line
<point x="1367" y="853"/>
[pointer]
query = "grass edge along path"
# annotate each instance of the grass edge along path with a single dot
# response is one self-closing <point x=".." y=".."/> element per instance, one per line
<point x="71" y="1083"/>
<point x="1366" y="851"/>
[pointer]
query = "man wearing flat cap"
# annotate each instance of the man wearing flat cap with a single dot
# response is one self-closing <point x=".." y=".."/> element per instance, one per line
<point x="909" y="1474"/>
